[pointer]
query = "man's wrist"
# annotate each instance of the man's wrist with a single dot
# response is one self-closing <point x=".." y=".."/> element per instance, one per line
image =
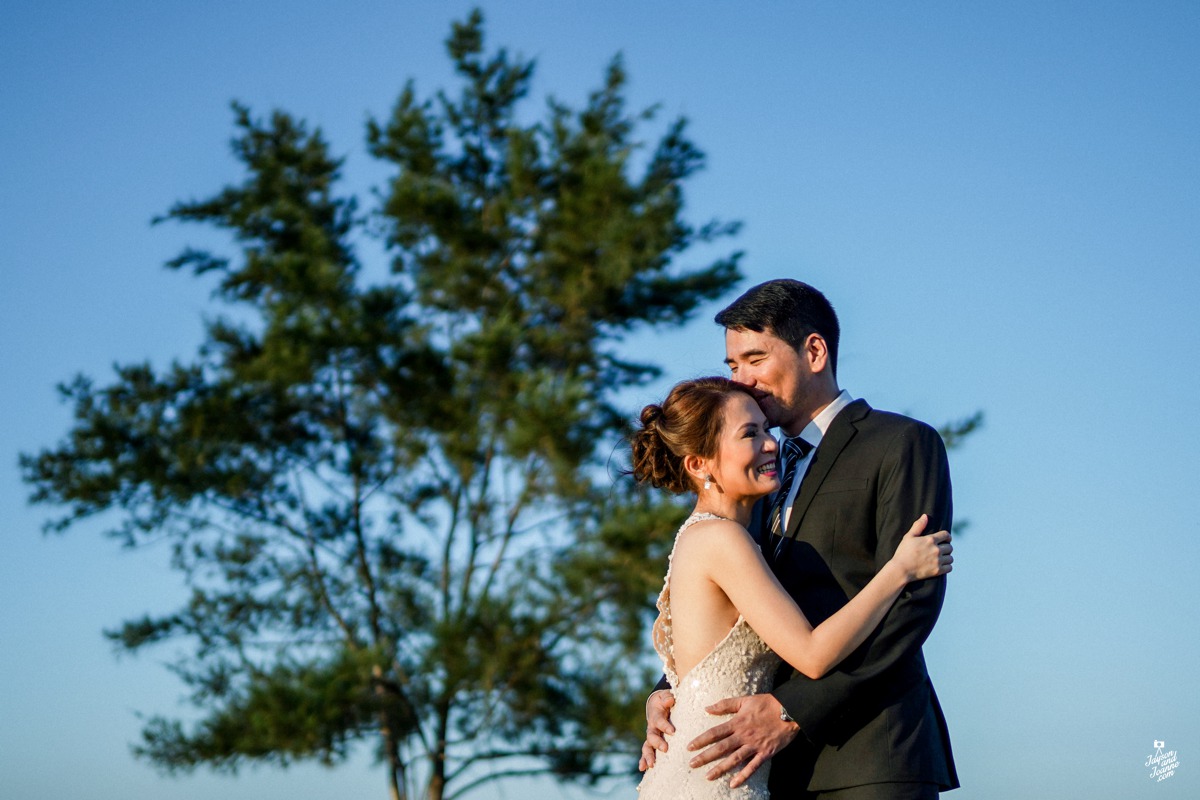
<point x="785" y="717"/>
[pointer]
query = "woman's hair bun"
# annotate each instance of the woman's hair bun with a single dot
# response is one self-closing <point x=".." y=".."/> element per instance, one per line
<point x="651" y="414"/>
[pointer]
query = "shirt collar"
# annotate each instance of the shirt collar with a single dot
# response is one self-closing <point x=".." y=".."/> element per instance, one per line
<point x="815" y="431"/>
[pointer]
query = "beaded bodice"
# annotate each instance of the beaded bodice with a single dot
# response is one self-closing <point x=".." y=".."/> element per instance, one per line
<point x="740" y="664"/>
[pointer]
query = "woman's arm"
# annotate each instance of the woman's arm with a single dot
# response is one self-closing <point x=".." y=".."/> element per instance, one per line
<point x="739" y="570"/>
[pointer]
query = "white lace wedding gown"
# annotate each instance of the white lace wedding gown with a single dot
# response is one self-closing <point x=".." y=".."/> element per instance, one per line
<point x="740" y="664"/>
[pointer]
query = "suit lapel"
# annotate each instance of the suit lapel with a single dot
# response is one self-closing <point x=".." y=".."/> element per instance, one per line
<point x="840" y="432"/>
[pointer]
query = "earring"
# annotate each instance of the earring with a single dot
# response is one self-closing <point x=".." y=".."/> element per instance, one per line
<point x="708" y="482"/>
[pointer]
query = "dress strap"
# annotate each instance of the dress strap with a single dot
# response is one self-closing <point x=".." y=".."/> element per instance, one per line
<point x="661" y="630"/>
<point x="701" y="516"/>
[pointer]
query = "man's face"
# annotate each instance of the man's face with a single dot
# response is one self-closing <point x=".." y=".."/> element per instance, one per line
<point x="779" y="377"/>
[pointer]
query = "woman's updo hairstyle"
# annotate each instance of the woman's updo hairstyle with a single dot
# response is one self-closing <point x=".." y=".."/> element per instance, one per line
<point x="687" y="423"/>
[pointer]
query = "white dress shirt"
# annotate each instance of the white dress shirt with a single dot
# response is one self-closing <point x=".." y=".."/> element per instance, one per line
<point x="813" y="433"/>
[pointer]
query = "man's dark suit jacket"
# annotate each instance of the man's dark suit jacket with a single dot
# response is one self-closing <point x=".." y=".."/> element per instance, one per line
<point x="875" y="717"/>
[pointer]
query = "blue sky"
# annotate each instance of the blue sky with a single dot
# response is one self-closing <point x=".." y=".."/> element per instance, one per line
<point x="1001" y="199"/>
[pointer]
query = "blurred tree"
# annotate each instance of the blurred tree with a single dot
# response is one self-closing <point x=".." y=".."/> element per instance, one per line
<point x="954" y="433"/>
<point x="388" y="499"/>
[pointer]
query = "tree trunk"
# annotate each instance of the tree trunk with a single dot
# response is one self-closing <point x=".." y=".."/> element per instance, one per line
<point x="396" y="787"/>
<point x="391" y="746"/>
<point x="437" y="786"/>
<point x="437" y="765"/>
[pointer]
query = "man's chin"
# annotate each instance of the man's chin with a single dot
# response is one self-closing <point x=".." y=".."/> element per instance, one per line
<point x="775" y="417"/>
<point x="778" y="415"/>
<point x="766" y="405"/>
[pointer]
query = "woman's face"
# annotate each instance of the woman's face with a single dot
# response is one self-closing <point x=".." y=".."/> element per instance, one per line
<point x="747" y="460"/>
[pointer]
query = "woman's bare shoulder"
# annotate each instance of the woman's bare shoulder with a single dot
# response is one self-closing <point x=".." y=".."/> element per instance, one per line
<point x="717" y="533"/>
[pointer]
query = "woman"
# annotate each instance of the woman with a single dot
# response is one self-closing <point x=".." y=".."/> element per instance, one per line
<point x="724" y="620"/>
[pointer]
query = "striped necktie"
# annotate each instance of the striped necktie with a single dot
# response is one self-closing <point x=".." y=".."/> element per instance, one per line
<point x="794" y="451"/>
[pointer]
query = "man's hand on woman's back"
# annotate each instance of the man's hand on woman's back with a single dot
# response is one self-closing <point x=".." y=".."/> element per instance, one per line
<point x="658" y="724"/>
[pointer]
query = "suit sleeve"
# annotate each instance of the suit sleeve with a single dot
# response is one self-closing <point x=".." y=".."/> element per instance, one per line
<point x="914" y="479"/>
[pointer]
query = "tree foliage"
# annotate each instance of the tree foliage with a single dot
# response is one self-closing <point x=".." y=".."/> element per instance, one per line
<point x="387" y="497"/>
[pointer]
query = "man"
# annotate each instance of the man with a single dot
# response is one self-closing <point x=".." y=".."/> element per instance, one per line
<point x="873" y="727"/>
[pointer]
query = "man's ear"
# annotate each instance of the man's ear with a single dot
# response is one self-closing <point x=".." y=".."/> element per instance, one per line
<point x="816" y="352"/>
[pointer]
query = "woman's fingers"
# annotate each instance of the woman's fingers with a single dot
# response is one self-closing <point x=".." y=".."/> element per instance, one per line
<point x="919" y="526"/>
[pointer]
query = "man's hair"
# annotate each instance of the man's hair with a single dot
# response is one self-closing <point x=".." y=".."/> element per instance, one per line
<point x="787" y="309"/>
